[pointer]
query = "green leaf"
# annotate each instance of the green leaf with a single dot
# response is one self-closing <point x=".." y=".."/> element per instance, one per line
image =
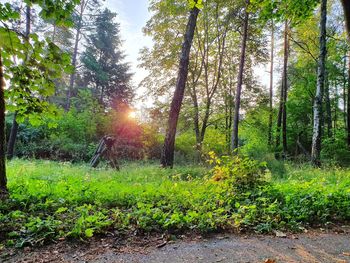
<point x="89" y="232"/>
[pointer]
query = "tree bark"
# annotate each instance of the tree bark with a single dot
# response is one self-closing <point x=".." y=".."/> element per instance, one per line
<point x="279" y="123"/>
<point x="3" y="179"/>
<point x="12" y="138"/>
<point x="346" y="7"/>
<point x="14" y="128"/>
<point x="234" y="140"/>
<point x="318" y="113"/>
<point x="271" y="85"/>
<point x="328" y="107"/>
<point x="348" y="103"/>
<point x="345" y="81"/>
<point x="167" y="158"/>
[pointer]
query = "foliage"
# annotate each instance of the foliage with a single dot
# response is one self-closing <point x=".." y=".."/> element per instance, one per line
<point x="32" y="63"/>
<point x="237" y="171"/>
<point x="104" y="70"/>
<point x="59" y="200"/>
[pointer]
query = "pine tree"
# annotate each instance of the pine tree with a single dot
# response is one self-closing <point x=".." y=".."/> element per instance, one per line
<point x="103" y="68"/>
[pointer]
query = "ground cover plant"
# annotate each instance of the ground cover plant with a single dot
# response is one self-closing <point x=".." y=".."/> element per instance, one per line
<point x="51" y="200"/>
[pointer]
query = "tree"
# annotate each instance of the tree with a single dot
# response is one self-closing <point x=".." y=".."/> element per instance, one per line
<point x="103" y="68"/>
<point x="32" y="79"/>
<point x="282" y="113"/>
<point x="318" y="112"/>
<point x="3" y="180"/>
<point x="271" y="84"/>
<point x="14" y="128"/>
<point x="234" y="141"/>
<point x="207" y="67"/>
<point x="167" y="158"/>
<point x="80" y="24"/>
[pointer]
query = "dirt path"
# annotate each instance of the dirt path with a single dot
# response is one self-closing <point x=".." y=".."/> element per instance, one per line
<point x="311" y="247"/>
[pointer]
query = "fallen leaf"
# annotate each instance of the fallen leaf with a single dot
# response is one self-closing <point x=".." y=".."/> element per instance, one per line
<point x="269" y="260"/>
<point x="346" y="254"/>
<point x="280" y="234"/>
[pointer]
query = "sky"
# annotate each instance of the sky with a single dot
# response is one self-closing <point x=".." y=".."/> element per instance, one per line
<point x="132" y="16"/>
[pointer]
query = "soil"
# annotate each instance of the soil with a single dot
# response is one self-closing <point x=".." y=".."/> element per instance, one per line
<point x="316" y="246"/>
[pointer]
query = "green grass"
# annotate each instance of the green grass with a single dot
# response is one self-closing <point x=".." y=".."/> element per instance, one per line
<point x="51" y="200"/>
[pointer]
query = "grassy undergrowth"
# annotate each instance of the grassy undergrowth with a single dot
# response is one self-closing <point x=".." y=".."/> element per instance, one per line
<point x="52" y="200"/>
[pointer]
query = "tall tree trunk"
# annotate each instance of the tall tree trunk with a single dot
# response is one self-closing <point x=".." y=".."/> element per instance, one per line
<point x="345" y="81"/>
<point x="335" y="119"/>
<point x="282" y="112"/>
<point x="285" y="89"/>
<point x="167" y="159"/>
<point x="348" y="102"/>
<point x="3" y="179"/>
<point x="12" y="138"/>
<point x="234" y="140"/>
<point x="75" y="54"/>
<point x="328" y="107"/>
<point x="346" y="7"/>
<point x="271" y="84"/>
<point x="318" y="113"/>
<point x="14" y="128"/>
<point x="279" y="123"/>
<point x="228" y="117"/>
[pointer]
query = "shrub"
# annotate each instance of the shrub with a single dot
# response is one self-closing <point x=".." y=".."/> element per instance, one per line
<point x="241" y="172"/>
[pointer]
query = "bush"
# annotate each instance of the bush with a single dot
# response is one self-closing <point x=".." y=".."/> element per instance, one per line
<point x="240" y="172"/>
<point x="335" y="151"/>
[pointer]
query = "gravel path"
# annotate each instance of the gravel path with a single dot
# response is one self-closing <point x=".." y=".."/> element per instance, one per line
<point x="310" y="247"/>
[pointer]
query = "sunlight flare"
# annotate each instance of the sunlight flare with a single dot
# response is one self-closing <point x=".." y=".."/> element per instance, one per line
<point x="132" y="115"/>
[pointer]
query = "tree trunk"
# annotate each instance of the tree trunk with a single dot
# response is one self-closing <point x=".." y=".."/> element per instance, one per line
<point x="285" y="90"/>
<point x="75" y="54"/>
<point x="346" y="7"/>
<point x="279" y="123"/>
<point x="12" y="138"/>
<point x="271" y="85"/>
<point x="167" y="159"/>
<point x="282" y="112"/>
<point x="234" y="141"/>
<point x="3" y="179"/>
<point x="318" y="114"/>
<point x="348" y="103"/>
<point x="335" y="119"/>
<point x="345" y="81"/>
<point x="328" y="107"/>
<point x="14" y="128"/>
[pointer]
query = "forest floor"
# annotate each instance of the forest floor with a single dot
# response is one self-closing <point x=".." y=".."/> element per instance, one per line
<point x="314" y="246"/>
<point x="62" y="212"/>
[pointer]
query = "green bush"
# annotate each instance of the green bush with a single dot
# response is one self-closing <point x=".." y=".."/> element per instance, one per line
<point x="335" y="151"/>
<point x="239" y="172"/>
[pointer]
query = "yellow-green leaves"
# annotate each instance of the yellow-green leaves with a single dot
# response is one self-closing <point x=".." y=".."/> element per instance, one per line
<point x="195" y="3"/>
